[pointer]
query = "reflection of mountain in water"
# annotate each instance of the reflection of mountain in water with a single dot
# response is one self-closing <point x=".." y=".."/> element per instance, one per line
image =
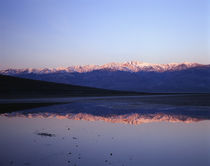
<point x="134" y="119"/>
<point x="118" y="112"/>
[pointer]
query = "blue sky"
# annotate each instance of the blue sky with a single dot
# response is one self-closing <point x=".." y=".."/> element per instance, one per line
<point x="54" y="33"/>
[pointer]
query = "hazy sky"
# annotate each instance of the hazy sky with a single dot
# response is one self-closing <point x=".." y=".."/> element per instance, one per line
<point x="53" y="33"/>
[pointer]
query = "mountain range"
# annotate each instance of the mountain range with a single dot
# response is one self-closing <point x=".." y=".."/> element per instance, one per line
<point x="129" y="76"/>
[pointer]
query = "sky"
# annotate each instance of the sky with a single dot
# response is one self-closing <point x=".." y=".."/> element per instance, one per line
<point x="61" y="33"/>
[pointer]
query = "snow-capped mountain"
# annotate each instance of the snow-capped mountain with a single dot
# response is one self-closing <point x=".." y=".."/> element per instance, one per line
<point x="131" y="76"/>
<point x="132" y="66"/>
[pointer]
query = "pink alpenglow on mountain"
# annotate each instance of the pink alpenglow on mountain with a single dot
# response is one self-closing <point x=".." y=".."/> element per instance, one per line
<point x="128" y="76"/>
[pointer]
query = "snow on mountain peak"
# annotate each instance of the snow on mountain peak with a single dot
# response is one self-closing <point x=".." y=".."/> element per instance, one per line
<point x="131" y="66"/>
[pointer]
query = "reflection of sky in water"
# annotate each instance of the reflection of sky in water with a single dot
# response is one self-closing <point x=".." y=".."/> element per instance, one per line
<point x="149" y="144"/>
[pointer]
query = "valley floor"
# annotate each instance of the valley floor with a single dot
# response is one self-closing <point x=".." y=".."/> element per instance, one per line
<point x="9" y="105"/>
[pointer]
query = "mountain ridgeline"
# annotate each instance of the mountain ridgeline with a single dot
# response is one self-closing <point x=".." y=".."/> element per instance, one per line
<point x="128" y="76"/>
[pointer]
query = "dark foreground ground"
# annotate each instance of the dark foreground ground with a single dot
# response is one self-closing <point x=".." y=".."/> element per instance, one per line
<point x="14" y="87"/>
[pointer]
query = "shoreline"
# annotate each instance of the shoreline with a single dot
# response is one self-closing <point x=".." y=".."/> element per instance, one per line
<point x="71" y="99"/>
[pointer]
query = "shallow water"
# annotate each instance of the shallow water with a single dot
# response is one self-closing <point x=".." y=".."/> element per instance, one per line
<point x="106" y="132"/>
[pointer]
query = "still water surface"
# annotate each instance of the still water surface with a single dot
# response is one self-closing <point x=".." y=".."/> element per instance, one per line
<point x="100" y="132"/>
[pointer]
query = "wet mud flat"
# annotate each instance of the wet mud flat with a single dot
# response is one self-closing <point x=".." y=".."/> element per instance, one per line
<point x="11" y="107"/>
<point x="176" y="100"/>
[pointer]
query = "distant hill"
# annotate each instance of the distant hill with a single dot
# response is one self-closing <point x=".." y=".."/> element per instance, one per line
<point x="14" y="87"/>
<point x="128" y="76"/>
